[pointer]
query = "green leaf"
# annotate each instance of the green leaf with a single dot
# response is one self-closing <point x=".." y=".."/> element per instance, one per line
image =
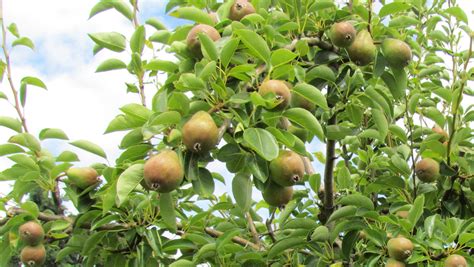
<point x="31" y="207"/>
<point x="89" y="147"/>
<point x="33" y="81"/>
<point x="415" y="212"/>
<point x="458" y="13"/>
<point x="155" y="24"/>
<point x="342" y="212"/>
<point x="400" y="164"/>
<point x="92" y="243"/>
<point x="161" y="65"/>
<point x="301" y="223"/>
<point x="127" y="181"/>
<point x="282" y="56"/>
<point x="397" y="91"/>
<point x="118" y="5"/>
<point x="337" y="132"/>
<point x="26" y="140"/>
<point x="380" y="122"/>
<point x="357" y="200"/>
<point x="193" y="14"/>
<point x="389" y="9"/>
<point x="434" y="114"/>
<point x="204" y="183"/>
<point x="208" y="47"/>
<point x="321" y="72"/>
<point x="311" y="94"/>
<point x="111" y="40"/>
<point x="67" y="156"/>
<point x="182" y="263"/>
<point x="242" y="190"/>
<point x="7" y="149"/>
<point x="348" y="243"/>
<point x="13" y="29"/>
<point x="25" y="41"/>
<point x="11" y="123"/>
<point x="137" y="112"/>
<point x="305" y="119"/>
<point x="167" y="211"/>
<point x="255" y="43"/>
<point x="52" y="133"/>
<point x="262" y="142"/>
<point x="111" y="64"/>
<point x="284" y="244"/>
<point x="137" y="41"/>
<point x="320" y="234"/>
<point x="228" y="51"/>
<point x="165" y="118"/>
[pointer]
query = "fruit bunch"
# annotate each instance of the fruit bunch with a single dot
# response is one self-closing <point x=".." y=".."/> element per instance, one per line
<point x="32" y="235"/>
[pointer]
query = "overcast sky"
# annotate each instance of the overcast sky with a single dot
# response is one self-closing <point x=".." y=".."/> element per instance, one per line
<point x="78" y="100"/>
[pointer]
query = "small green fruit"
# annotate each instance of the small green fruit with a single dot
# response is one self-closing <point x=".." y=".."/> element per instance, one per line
<point x="455" y="261"/>
<point x="200" y="133"/>
<point x="362" y="51"/>
<point x="192" y="40"/>
<point x="33" y="255"/>
<point x="276" y="195"/>
<point x="240" y="9"/>
<point x="163" y="172"/>
<point x="84" y="177"/>
<point x="400" y="248"/>
<point x="279" y="88"/>
<point x="394" y="263"/>
<point x="287" y="169"/>
<point x="31" y="233"/>
<point x="427" y="170"/>
<point x="396" y="52"/>
<point x="342" y="34"/>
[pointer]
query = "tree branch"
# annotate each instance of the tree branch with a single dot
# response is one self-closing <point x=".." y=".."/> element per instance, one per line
<point x="328" y="203"/>
<point x="252" y="229"/>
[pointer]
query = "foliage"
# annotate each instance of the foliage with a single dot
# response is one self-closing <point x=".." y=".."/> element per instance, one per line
<point x="375" y="120"/>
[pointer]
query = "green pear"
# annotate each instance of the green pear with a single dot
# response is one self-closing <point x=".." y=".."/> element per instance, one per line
<point x="276" y="195"/>
<point x="200" y="133"/>
<point x="396" y="52"/>
<point x="399" y="248"/>
<point x="163" y="172"/>
<point x="84" y="177"/>
<point x="362" y="51"/>
<point x="31" y="233"/>
<point x="192" y="40"/>
<point x="279" y="88"/>
<point x="455" y="261"/>
<point x="287" y="169"/>
<point x="342" y="34"/>
<point x="240" y="9"/>
<point x="427" y="170"/>
<point x="33" y="255"/>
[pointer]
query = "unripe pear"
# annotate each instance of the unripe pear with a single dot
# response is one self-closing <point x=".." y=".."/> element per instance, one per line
<point x="394" y="263"/>
<point x="455" y="261"/>
<point x="287" y="169"/>
<point x="399" y="248"/>
<point x="362" y="51"/>
<point x="163" y="172"/>
<point x="31" y="233"/>
<point x="240" y="9"/>
<point x="342" y="34"/>
<point x="396" y="52"/>
<point x="192" y="40"/>
<point x="440" y="131"/>
<point x="276" y="195"/>
<point x="33" y="255"/>
<point x="427" y="170"/>
<point x="279" y="88"/>
<point x="84" y="177"/>
<point x="200" y="133"/>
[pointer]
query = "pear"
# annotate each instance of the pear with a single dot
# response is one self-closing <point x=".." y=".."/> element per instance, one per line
<point x="192" y="40"/>
<point x="200" y="133"/>
<point x="399" y="248"/>
<point x="279" y="88"/>
<point x="82" y="178"/>
<point x="455" y="261"/>
<point x="33" y="255"/>
<point x="396" y="52"/>
<point x="276" y="195"/>
<point x="287" y="169"/>
<point x="440" y="131"/>
<point x="240" y="9"/>
<point x="342" y="34"/>
<point x="362" y="51"/>
<point x="31" y="233"/>
<point x="427" y="170"/>
<point x="394" y="263"/>
<point x="402" y="214"/>
<point x="163" y="172"/>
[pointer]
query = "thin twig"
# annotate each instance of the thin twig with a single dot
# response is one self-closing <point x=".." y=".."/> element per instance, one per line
<point x="252" y="229"/>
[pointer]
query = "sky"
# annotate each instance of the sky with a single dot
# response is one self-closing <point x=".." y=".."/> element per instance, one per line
<point x="78" y="100"/>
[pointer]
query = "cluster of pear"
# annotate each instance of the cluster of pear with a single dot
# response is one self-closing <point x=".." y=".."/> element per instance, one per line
<point x="32" y="235"/>
<point x="361" y="49"/>
<point x="164" y="172"/>
<point x="238" y="10"/>
<point x="285" y="171"/>
<point x="427" y="169"/>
